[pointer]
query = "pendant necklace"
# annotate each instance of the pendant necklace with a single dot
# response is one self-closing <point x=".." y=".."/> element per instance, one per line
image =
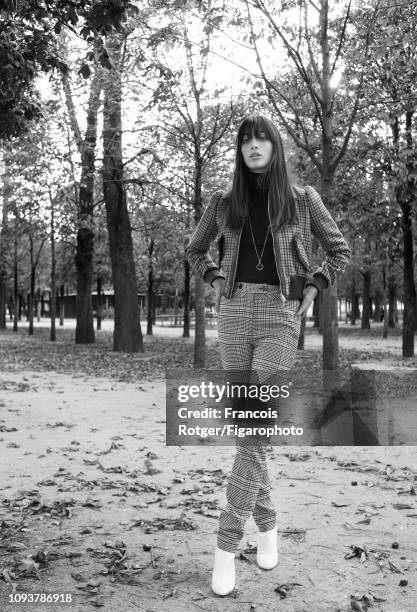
<point x="259" y="265"/>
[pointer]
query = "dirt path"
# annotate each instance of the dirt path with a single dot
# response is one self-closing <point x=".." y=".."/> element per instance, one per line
<point x="99" y="485"/>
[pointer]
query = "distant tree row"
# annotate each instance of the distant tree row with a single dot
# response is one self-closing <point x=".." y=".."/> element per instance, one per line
<point x="107" y="178"/>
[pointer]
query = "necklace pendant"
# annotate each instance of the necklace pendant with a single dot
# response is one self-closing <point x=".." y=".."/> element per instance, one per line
<point x="259" y="266"/>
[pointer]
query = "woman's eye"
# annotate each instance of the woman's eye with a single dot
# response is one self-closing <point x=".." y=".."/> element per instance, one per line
<point x="262" y="135"/>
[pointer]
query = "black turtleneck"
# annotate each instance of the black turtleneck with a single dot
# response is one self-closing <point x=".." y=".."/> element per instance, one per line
<point x="258" y="211"/>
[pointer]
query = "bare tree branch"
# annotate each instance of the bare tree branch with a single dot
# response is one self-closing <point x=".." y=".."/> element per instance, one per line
<point x="352" y="118"/>
<point x="294" y="54"/>
<point x="310" y="50"/>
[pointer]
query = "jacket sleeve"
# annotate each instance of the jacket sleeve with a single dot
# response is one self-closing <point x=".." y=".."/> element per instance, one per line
<point x="324" y="228"/>
<point x="199" y="243"/>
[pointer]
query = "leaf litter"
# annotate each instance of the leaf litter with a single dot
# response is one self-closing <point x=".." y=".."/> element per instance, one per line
<point x="206" y="477"/>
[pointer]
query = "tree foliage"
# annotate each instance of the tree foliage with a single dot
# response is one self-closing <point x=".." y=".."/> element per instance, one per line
<point x="28" y="46"/>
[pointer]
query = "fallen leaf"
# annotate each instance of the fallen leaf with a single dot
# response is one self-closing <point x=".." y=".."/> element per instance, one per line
<point x="357" y="551"/>
<point x="394" y="567"/>
<point x="365" y="521"/>
<point x="13" y="546"/>
<point x="295" y="457"/>
<point x="150" y="470"/>
<point x="358" y="605"/>
<point x="284" y="589"/>
<point x="27" y="566"/>
<point x="92" y="503"/>
<point x="170" y="594"/>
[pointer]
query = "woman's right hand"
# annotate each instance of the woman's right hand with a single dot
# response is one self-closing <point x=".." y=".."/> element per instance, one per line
<point x="218" y="285"/>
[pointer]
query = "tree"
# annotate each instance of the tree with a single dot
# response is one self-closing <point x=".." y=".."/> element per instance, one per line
<point x="197" y="128"/>
<point x="4" y="239"/>
<point x="127" y="331"/>
<point x="405" y="197"/>
<point x="316" y="78"/>
<point x="84" y="331"/>
<point x="159" y="227"/>
<point x="28" y="46"/>
<point x="390" y="85"/>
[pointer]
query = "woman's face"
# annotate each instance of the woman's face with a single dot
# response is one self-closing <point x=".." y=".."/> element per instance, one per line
<point x="256" y="151"/>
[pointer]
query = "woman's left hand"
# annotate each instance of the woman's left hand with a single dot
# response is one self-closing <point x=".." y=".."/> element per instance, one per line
<point x="309" y="294"/>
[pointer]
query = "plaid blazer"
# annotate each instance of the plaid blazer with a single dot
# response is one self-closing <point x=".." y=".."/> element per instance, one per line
<point x="292" y="246"/>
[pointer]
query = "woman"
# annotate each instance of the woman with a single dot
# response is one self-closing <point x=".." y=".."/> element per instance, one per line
<point x="263" y="285"/>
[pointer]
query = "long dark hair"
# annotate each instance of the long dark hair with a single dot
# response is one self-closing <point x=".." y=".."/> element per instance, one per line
<point x="275" y="178"/>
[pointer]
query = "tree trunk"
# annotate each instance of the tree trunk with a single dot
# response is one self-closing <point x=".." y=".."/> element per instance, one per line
<point x="199" y="329"/>
<point x="408" y="283"/>
<point x="356" y="306"/>
<point x="127" y="331"/>
<point x="411" y="318"/>
<point x="301" y="338"/>
<point x="408" y="267"/>
<point x="15" y="282"/>
<point x="404" y="195"/>
<point x="328" y="306"/>
<point x="316" y="311"/>
<point x="365" y="324"/>
<point x="153" y="310"/>
<point x="330" y="337"/>
<point x="176" y="304"/>
<point x="99" y="305"/>
<point x="186" y="300"/>
<point x="61" y="306"/>
<point x="84" y="331"/>
<point x="392" y="296"/>
<point x="200" y="311"/>
<point x="38" y="305"/>
<point x="384" y="284"/>
<point x="52" y="303"/>
<point x="7" y="190"/>
<point x="150" y="288"/>
<point x="353" y="306"/>
<point x="377" y="307"/>
<point x="31" y="301"/>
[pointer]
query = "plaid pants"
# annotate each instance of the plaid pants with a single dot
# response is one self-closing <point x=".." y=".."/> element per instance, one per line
<point x="258" y="337"/>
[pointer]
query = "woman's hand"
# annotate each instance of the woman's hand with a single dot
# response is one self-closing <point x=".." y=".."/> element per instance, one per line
<point x="309" y="294"/>
<point x="218" y="284"/>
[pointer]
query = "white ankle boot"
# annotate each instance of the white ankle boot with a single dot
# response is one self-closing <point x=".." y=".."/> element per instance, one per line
<point x="267" y="551"/>
<point x="223" y="579"/>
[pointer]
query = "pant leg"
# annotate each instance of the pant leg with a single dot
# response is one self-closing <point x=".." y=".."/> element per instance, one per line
<point x="236" y="350"/>
<point x="276" y="335"/>
<point x="245" y="482"/>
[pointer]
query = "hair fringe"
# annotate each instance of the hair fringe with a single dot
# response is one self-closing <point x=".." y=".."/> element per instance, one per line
<point x="280" y="193"/>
